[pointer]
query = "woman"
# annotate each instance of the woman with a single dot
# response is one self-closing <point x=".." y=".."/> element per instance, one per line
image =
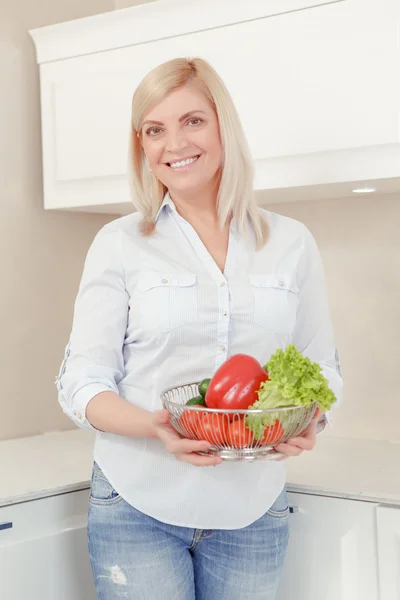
<point x="167" y="294"/>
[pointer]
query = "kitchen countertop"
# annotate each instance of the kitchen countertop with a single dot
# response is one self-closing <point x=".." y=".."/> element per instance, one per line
<point x="59" y="462"/>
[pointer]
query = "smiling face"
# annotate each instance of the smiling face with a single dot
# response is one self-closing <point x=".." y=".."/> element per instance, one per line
<point x="181" y="140"/>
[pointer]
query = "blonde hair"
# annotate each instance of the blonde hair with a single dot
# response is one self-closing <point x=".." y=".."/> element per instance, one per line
<point x="235" y="194"/>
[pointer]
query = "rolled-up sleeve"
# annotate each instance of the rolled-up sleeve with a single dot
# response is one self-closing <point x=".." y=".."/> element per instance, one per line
<point x="313" y="334"/>
<point x="93" y="359"/>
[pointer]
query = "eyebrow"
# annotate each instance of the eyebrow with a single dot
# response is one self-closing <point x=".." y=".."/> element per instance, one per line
<point x="182" y="118"/>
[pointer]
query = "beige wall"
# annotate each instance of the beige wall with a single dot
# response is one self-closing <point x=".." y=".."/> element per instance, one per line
<point x="42" y="253"/>
<point x="127" y="3"/>
<point x="360" y="243"/>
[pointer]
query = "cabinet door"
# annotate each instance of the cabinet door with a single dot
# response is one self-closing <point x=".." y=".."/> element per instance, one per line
<point x="277" y="68"/>
<point x="43" y="550"/>
<point x="332" y="550"/>
<point x="389" y="552"/>
<point x="306" y="81"/>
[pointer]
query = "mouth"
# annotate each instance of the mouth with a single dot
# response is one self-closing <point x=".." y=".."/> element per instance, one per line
<point x="184" y="163"/>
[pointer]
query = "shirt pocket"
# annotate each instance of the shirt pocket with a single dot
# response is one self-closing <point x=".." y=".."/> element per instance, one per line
<point x="275" y="301"/>
<point x="167" y="300"/>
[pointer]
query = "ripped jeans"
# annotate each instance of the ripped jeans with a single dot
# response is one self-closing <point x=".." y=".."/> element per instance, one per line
<point x="136" y="557"/>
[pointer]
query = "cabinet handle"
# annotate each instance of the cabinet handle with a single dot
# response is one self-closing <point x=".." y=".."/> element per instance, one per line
<point x="5" y="526"/>
<point x="294" y="509"/>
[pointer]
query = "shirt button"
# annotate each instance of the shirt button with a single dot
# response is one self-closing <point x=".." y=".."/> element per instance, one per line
<point x="222" y="348"/>
<point x="222" y="283"/>
<point x="225" y="313"/>
<point x="281" y="283"/>
<point x="164" y="280"/>
<point x="80" y="417"/>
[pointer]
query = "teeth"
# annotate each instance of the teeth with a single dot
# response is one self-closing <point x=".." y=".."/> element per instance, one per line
<point x="182" y="163"/>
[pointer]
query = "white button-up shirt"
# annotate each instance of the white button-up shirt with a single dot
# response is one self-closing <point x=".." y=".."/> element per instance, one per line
<point x="155" y="312"/>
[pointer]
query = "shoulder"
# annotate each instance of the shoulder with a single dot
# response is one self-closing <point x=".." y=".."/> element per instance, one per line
<point x="107" y="244"/>
<point x="128" y="224"/>
<point x="291" y="238"/>
<point x="286" y="229"/>
<point x="111" y="234"/>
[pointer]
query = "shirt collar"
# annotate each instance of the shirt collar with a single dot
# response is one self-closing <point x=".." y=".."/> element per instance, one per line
<point x="166" y="202"/>
<point x="170" y="203"/>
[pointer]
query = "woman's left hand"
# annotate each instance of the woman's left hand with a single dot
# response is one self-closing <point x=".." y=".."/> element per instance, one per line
<point x="305" y="441"/>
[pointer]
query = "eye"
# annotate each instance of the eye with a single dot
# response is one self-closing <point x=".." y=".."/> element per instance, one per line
<point x="195" y="121"/>
<point x="152" y="131"/>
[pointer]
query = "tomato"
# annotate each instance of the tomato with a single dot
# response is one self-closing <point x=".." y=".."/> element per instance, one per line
<point x="189" y="423"/>
<point x="273" y="434"/>
<point x="213" y="428"/>
<point x="239" y="435"/>
<point x="236" y="383"/>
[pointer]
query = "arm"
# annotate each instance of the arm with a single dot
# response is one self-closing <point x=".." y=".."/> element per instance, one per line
<point x="94" y="362"/>
<point x="313" y="333"/>
<point x="313" y="336"/>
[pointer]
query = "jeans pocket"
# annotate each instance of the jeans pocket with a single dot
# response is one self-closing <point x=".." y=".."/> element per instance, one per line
<point x="101" y="490"/>
<point x="280" y="508"/>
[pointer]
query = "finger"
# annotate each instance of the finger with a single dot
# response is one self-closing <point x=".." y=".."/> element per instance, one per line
<point x="288" y="450"/>
<point x="168" y="436"/>
<point x="175" y="444"/>
<point x="277" y="456"/>
<point x="305" y="443"/>
<point x="310" y="433"/>
<point x="185" y="446"/>
<point x="167" y="432"/>
<point x="283" y="457"/>
<point x="317" y="414"/>
<point x="200" y="461"/>
<point x="161" y="417"/>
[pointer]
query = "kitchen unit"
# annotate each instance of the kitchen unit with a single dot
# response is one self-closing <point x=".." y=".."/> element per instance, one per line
<point x="43" y="549"/>
<point x="388" y="548"/>
<point x="343" y="542"/>
<point x="314" y="83"/>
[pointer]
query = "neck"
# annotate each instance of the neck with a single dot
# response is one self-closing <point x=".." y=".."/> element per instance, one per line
<point x="197" y="205"/>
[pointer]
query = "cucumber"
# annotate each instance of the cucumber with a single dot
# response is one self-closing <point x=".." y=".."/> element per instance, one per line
<point x="198" y="400"/>
<point x="203" y="387"/>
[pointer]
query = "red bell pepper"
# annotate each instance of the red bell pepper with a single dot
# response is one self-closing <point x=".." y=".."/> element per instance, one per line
<point x="235" y="384"/>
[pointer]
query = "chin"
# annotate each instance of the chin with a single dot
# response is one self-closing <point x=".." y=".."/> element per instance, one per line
<point x="189" y="184"/>
<point x="188" y="188"/>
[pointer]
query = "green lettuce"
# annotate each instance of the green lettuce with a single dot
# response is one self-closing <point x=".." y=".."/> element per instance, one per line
<point x="294" y="380"/>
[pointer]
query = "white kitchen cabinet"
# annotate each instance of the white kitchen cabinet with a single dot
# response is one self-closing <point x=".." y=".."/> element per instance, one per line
<point x="332" y="551"/>
<point x="332" y="554"/>
<point x="314" y="84"/>
<point x="389" y="552"/>
<point x="43" y="555"/>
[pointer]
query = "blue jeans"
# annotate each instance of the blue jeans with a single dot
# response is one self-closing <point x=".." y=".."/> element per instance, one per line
<point x="136" y="557"/>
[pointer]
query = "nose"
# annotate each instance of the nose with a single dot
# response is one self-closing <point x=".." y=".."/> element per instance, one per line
<point x="176" y="140"/>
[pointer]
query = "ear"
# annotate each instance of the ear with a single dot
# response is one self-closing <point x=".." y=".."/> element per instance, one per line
<point x="139" y="137"/>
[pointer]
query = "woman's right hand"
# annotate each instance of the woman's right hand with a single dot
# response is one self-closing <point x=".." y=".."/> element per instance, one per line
<point x="183" y="449"/>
